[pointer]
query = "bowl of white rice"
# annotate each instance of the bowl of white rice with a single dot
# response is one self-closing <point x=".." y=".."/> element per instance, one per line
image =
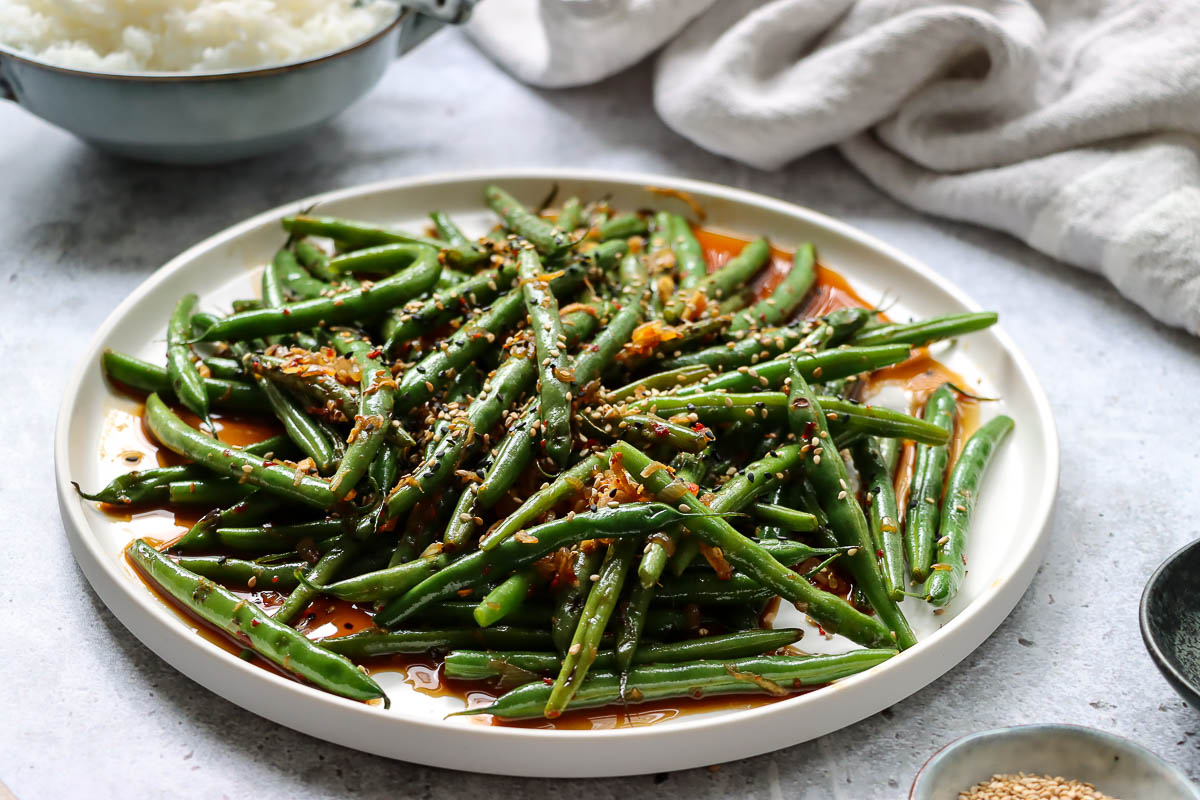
<point x="202" y="81"/>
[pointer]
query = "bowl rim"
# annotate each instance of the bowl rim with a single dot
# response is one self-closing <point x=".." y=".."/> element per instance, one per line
<point x="1165" y="664"/>
<point x="1085" y="731"/>
<point x="155" y="76"/>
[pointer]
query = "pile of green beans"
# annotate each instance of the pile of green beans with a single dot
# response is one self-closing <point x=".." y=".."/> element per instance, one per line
<point x="564" y="455"/>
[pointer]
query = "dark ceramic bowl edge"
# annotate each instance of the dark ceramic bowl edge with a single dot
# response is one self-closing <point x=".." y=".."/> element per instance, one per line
<point x="1180" y="682"/>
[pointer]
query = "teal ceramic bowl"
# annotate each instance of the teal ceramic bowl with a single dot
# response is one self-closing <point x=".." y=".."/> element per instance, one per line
<point x="1170" y="621"/>
<point x="207" y="118"/>
<point x="1115" y="766"/>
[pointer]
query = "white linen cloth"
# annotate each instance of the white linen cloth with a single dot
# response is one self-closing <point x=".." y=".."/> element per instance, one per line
<point x="1072" y="124"/>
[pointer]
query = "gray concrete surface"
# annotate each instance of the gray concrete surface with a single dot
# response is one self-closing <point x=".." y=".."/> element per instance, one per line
<point x="89" y="712"/>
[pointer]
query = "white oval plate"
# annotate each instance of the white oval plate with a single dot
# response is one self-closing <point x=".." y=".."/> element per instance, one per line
<point x="1008" y="536"/>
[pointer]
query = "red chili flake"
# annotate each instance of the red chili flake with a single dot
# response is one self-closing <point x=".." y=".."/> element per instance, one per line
<point x="820" y="630"/>
<point x="879" y="553"/>
<point x="548" y="681"/>
<point x="693" y="488"/>
<point x="275" y="579"/>
<point x="699" y="426"/>
<point x="595" y="348"/>
<point x="254" y="623"/>
<point x="659" y="429"/>
<point x="810" y="428"/>
<point x="287" y="312"/>
<point x="376" y="353"/>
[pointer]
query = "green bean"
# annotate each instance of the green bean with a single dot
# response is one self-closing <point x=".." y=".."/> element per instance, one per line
<point x="377" y="395"/>
<point x="601" y="602"/>
<point x="754" y="347"/>
<point x="251" y="574"/>
<point x="787" y="518"/>
<point x="343" y="307"/>
<point x="471" y="571"/>
<point x="146" y="377"/>
<point x="650" y="430"/>
<point x="342" y="551"/>
<point x="570" y="216"/>
<point x="354" y="235"/>
<point x="566" y="484"/>
<point x="453" y="235"/>
<point x="420" y="317"/>
<point x="185" y="379"/>
<point x="461" y="614"/>
<point x="605" y="255"/>
<point x="823" y="465"/>
<point x="924" y="332"/>
<point x="382" y="259"/>
<point x="708" y="589"/>
<point x="316" y="261"/>
<point x="928" y="478"/>
<point x="570" y="598"/>
<point x="808" y="336"/>
<point x="505" y="598"/>
<point x="689" y="256"/>
<point x="667" y="381"/>
<point x="596" y="356"/>
<point x="622" y="226"/>
<point x="373" y="643"/>
<point x="690" y="469"/>
<point x="843" y="416"/>
<point x="273" y="538"/>
<point x="301" y="428"/>
<point x="878" y="483"/>
<point x="277" y="643"/>
<point x="827" y="609"/>
<point x="515" y="451"/>
<point x="421" y="527"/>
<point x="255" y="508"/>
<point x="224" y="368"/>
<point x="682" y="336"/>
<point x="548" y="240"/>
<point x="554" y="363"/>
<point x="634" y="278"/>
<point x="480" y="665"/>
<point x="824" y="365"/>
<point x="139" y="486"/>
<point x="206" y="492"/>
<point x="962" y="490"/>
<point x="461" y="528"/>
<point x="178" y="437"/>
<point x="382" y="584"/>
<point x="757" y="478"/>
<point x="320" y="388"/>
<point x="734" y="274"/>
<point x="775" y="675"/>
<point x="786" y="297"/>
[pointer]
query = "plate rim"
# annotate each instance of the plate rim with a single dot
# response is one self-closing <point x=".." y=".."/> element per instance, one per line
<point x="120" y="594"/>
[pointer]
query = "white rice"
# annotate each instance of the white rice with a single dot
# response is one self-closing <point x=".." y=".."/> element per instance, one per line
<point x="185" y="35"/>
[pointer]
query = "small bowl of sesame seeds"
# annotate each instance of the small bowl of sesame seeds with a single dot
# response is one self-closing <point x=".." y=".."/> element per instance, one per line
<point x="1048" y="762"/>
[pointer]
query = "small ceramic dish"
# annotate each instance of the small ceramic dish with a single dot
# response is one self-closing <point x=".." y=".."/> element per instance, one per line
<point x="1170" y="620"/>
<point x="212" y="117"/>
<point x="1115" y="766"/>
